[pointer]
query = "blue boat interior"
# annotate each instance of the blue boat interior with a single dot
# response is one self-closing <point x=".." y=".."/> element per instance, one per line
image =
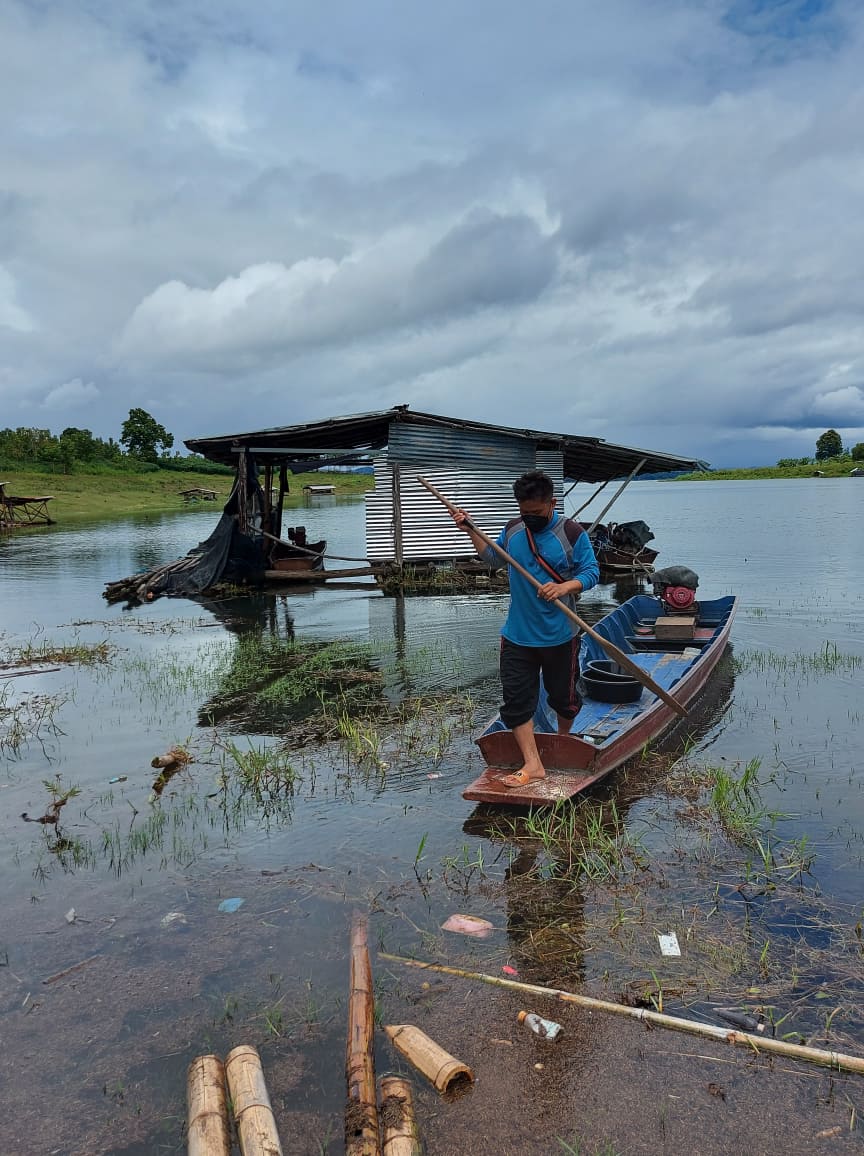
<point x="600" y="722"/>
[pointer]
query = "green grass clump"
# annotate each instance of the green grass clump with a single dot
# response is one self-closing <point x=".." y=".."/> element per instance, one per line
<point x="274" y="676"/>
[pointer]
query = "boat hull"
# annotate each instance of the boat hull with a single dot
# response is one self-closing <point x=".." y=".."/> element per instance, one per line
<point x="609" y="558"/>
<point x="605" y="734"/>
<point x="289" y="558"/>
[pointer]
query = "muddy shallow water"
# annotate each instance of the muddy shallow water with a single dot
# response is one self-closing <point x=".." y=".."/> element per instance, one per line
<point x="768" y="914"/>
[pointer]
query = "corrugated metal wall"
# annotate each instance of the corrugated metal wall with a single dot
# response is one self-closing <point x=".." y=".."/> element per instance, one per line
<point x="427" y="530"/>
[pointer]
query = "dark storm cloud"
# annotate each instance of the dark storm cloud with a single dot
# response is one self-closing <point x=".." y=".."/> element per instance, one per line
<point x="648" y="210"/>
<point x="485" y="260"/>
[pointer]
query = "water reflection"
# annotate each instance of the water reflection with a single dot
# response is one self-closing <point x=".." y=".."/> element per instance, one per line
<point x="592" y="839"/>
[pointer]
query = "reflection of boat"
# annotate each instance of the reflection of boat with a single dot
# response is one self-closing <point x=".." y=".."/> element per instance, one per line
<point x="604" y="734"/>
<point x="301" y="555"/>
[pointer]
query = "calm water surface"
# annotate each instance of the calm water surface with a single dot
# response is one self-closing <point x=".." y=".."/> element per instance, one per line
<point x="792" y="551"/>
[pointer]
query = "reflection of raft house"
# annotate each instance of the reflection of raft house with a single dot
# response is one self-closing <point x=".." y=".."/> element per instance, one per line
<point x="474" y="463"/>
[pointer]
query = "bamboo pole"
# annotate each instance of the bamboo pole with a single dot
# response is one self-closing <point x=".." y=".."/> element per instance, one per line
<point x="837" y="1060"/>
<point x="398" y="1122"/>
<point x="428" y="1057"/>
<point x="611" y="649"/>
<point x="209" y="1134"/>
<point x="361" y="1113"/>
<point x="256" y="1124"/>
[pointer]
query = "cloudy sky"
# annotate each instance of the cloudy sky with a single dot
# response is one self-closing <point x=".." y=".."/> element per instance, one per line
<point x="640" y="221"/>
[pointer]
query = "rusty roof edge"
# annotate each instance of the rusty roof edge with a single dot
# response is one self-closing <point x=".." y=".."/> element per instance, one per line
<point x="565" y="442"/>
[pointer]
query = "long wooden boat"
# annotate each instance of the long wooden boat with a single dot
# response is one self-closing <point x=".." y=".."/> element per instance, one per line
<point x="620" y="549"/>
<point x="630" y="561"/>
<point x="604" y="735"/>
<point x="310" y="557"/>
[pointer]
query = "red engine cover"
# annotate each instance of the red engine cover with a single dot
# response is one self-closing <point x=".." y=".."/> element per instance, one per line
<point x="679" y="597"/>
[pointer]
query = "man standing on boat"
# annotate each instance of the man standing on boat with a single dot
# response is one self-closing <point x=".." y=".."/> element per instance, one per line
<point x="536" y="635"/>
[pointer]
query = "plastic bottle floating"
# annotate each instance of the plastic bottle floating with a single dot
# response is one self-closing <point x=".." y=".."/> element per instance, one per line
<point x="545" y="1029"/>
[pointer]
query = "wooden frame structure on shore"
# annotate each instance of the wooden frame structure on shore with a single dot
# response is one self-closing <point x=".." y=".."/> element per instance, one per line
<point x="18" y="510"/>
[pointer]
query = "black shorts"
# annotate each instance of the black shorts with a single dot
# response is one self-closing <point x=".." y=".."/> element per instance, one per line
<point x="520" y="668"/>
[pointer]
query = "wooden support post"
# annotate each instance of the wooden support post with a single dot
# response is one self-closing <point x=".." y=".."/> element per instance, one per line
<point x="256" y="1124"/>
<point x="283" y="490"/>
<point x="398" y="548"/>
<point x="361" y="1113"/>
<point x="209" y="1134"/>
<point x="267" y="512"/>
<point x="242" y="493"/>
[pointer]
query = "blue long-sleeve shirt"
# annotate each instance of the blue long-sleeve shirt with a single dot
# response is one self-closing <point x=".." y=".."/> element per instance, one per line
<point x="531" y="620"/>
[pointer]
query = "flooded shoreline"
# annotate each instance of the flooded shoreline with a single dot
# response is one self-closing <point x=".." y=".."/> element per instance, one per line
<point x="741" y="832"/>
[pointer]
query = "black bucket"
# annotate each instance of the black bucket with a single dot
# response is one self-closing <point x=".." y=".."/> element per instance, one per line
<point x="607" y="669"/>
<point x="608" y="682"/>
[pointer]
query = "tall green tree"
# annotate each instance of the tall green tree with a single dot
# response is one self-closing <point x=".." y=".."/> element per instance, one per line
<point x="858" y="452"/>
<point x="143" y="436"/>
<point x="828" y="445"/>
<point x="78" y="444"/>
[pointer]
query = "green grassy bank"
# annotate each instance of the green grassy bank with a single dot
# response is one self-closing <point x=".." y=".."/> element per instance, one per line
<point x="828" y="469"/>
<point x="111" y="495"/>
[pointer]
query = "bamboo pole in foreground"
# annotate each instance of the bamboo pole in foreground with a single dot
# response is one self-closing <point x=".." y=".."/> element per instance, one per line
<point x="398" y="1122"/>
<point x="207" y="1114"/>
<point x="361" y="1112"/>
<point x="428" y="1057"/>
<point x="611" y="649"/>
<point x="837" y="1060"/>
<point x="256" y="1125"/>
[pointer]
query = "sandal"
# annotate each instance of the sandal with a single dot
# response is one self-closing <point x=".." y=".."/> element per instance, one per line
<point x="520" y="779"/>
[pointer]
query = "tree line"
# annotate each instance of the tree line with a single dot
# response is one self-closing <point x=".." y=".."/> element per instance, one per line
<point x="144" y="444"/>
<point x="829" y="447"/>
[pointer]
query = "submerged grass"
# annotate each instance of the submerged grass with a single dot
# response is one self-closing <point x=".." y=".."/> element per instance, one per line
<point x="829" y="659"/>
<point x="279" y="676"/>
<point x="26" y="718"/>
<point x="54" y="654"/>
<point x="584" y="840"/>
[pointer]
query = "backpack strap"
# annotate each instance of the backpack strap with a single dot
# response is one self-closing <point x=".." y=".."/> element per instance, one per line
<point x="532" y="545"/>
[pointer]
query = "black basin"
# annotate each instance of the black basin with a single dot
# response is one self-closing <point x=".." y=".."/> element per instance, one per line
<point x="613" y="685"/>
<point x="607" y="669"/>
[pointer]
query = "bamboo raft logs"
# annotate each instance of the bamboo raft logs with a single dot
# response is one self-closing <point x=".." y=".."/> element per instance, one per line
<point x="256" y="1124"/>
<point x="138" y="588"/>
<point x="208" y="1131"/>
<point x="361" y="1113"/>
<point x="445" y="1071"/>
<point x="398" y="1122"/>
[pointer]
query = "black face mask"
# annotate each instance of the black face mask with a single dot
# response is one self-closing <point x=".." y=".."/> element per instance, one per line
<point x="535" y="522"/>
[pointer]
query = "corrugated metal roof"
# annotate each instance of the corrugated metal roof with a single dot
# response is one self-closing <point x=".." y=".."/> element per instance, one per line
<point x="312" y="444"/>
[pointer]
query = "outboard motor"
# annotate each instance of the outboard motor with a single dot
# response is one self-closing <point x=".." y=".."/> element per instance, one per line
<point x="675" y="586"/>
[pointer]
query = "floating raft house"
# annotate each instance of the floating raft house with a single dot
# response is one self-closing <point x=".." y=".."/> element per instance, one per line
<point x="411" y="541"/>
<point x="473" y="463"/>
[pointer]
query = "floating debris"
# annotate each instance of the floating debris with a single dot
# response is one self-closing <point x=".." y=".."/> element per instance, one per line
<point x="669" y="944"/>
<point x="231" y="905"/>
<point x="469" y="925"/>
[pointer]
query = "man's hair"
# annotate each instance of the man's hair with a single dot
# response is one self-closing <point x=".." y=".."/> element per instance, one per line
<point x="533" y="486"/>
